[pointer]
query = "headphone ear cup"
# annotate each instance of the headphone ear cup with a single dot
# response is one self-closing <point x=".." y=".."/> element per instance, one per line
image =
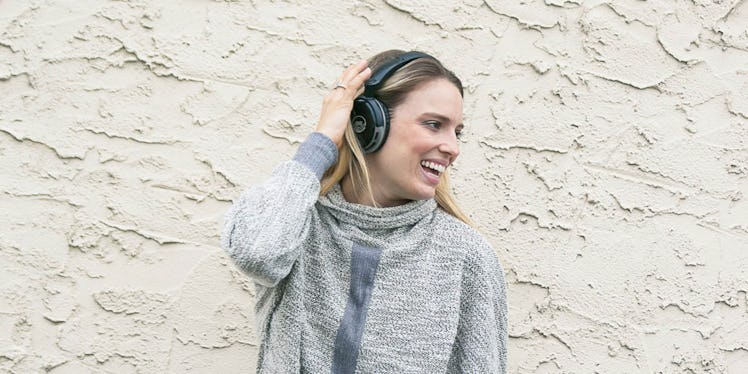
<point x="370" y="120"/>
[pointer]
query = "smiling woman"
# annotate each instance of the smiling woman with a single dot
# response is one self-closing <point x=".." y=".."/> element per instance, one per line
<point x="362" y="260"/>
<point x="422" y="141"/>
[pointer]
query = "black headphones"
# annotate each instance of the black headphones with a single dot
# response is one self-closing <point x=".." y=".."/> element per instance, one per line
<point x="370" y="117"/>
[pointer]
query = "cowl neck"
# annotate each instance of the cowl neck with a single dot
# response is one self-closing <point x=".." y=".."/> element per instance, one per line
<point x="372" y="218"/>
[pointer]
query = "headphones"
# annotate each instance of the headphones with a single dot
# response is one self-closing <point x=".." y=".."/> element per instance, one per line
<point x="370" y="117"/>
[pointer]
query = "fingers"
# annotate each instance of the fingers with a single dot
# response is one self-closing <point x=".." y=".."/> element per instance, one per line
<point x="354" y="77"/>
<point x="358" y="81"/>
<point x="350" y="72"/>
<point x="337" y="105"/>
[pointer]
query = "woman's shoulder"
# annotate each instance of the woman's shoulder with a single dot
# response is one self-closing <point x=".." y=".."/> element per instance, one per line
<point x="449" y="230"/>
<point x="480" y="260"/>
<point x="449" y="226"/>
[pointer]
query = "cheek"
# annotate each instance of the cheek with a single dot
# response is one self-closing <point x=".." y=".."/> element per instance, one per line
<point x="421" y="145"/>
<point x="406" y="144"/>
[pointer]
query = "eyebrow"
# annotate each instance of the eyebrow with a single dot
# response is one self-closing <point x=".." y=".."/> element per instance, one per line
<point x="443" y="119"/>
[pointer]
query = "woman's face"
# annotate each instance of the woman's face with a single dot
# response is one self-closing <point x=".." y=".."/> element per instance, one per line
<point x="421" y="144"/>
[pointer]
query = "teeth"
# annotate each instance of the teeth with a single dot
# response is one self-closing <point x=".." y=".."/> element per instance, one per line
<point x="433" y="166"/>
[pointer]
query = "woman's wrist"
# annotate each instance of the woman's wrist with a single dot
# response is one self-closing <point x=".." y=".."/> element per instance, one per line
<point x="333" y="136"/>
<point x="318" y="152"/>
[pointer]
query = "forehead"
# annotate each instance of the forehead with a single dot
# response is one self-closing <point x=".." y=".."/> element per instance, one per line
<point x="437" y="96"/>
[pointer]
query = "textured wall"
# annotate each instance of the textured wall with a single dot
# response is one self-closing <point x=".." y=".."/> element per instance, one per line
<point x="604" y="157"/>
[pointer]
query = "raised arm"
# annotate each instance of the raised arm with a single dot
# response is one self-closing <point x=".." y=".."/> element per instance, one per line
<point x="265" y="227"/>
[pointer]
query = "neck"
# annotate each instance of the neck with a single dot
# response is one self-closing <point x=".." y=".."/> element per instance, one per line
<point x="351" y="195"/>
<point x="360" y="196"/>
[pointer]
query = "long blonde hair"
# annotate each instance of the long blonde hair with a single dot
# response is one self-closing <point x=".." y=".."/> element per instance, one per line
<point x="393" y="92"/>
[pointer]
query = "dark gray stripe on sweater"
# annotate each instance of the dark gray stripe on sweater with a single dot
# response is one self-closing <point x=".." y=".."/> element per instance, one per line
<point x="364" y="262"/>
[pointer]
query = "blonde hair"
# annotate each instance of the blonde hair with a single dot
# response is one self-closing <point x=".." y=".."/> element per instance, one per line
<point x="394" y="90"/>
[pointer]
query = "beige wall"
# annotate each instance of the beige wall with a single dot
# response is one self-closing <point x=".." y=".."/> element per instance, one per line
<point x="604" y="158"/>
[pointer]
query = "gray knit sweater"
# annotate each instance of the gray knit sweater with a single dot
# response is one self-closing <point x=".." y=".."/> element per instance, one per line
<point x="344" y="288"/>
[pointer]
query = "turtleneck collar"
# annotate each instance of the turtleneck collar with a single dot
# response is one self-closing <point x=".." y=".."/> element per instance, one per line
<point x="371" y="218"/>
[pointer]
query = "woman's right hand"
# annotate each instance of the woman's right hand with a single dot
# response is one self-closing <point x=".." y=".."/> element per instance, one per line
<point x="337" y="105"/>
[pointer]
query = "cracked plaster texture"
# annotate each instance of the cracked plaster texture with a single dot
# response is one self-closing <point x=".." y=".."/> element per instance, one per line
<point x="604" y="158"/>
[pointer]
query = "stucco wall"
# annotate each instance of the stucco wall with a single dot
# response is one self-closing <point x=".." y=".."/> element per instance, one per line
<point x="604" y="158"/>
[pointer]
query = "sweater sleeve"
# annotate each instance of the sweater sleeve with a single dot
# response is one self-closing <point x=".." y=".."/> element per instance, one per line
<point x="482" y="331"/>
<point x="264" y="228"/>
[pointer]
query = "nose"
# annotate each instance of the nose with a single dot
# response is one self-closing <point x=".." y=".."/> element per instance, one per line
<point x="449" y="145"/>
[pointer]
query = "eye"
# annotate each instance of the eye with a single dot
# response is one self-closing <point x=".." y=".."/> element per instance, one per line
<point x="433" y="124"/>
<point x="458" y="131"/>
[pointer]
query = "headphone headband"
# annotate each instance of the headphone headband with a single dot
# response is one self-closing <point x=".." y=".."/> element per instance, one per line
<point x="373" y="83"/>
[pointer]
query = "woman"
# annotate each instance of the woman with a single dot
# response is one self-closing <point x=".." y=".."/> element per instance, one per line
<point x="362" y="261"/>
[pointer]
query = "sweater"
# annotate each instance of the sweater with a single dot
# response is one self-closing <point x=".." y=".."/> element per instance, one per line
<point x="348" y="288"/>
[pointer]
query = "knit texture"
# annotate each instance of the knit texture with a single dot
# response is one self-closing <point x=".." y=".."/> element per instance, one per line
<point x="436" y="304"/>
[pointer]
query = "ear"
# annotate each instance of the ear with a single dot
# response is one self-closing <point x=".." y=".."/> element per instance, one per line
<point x="370" y="120"/>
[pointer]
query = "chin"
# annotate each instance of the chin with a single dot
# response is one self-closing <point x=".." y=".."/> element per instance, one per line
<point x="424" y="193"/>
